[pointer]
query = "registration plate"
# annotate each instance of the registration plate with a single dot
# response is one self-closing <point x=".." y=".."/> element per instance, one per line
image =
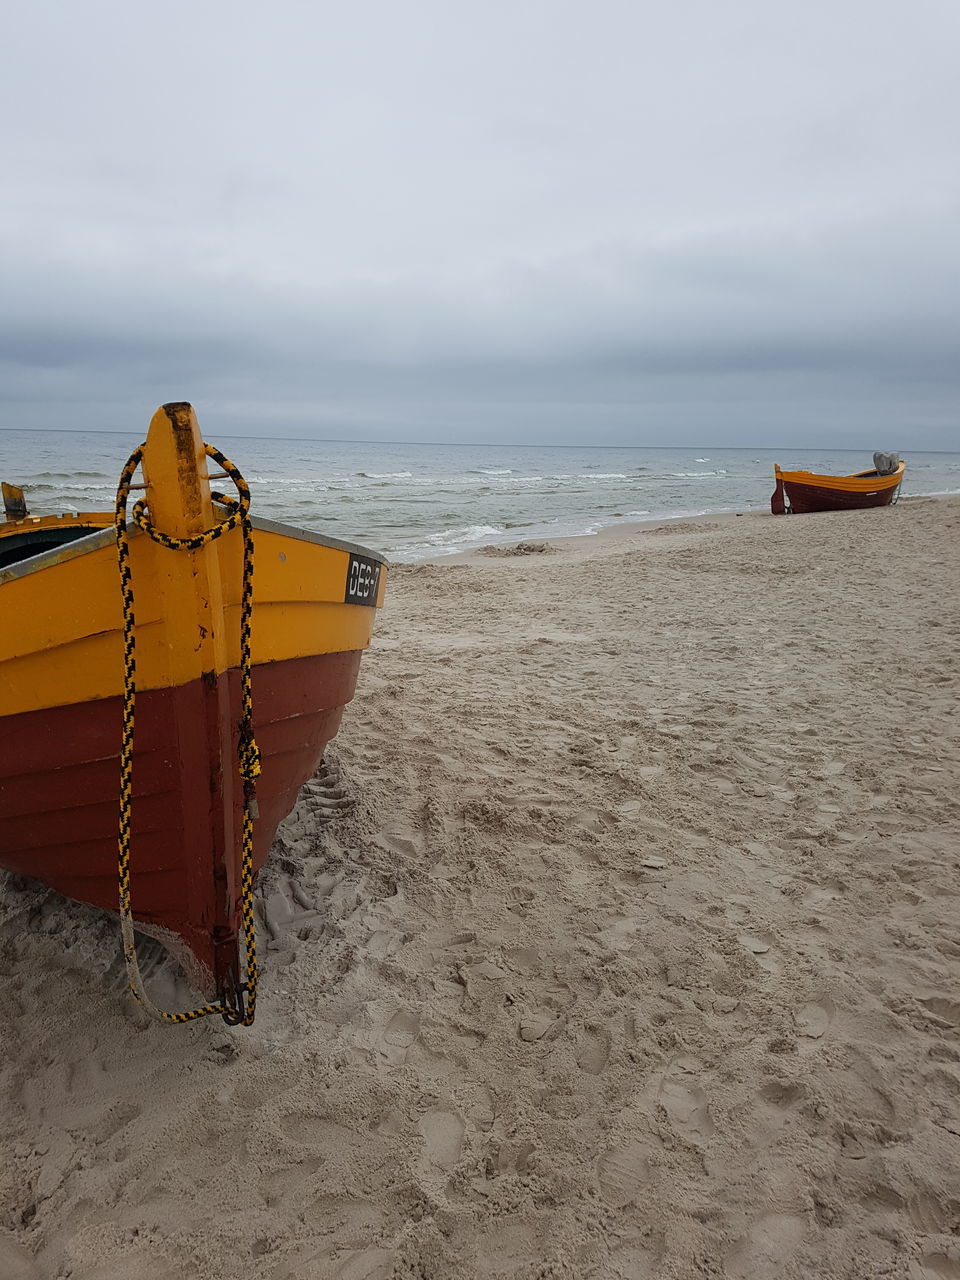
<point x="363" y="579"/>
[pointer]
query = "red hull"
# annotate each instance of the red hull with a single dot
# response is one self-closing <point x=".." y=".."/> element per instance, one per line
<point x="807" y="498"/>
<point x="59" y="795"/>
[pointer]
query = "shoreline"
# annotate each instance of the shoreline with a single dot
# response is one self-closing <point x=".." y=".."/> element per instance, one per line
<point x="628" y="533"/>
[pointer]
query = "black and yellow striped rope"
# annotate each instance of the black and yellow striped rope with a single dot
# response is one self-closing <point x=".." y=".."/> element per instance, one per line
<point x="238" y="1007"/>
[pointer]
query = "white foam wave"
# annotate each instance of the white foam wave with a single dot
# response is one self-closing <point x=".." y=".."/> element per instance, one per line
<point x="303" y="482"/>
<point x="90" y="487"/>
<point x="462" y="536"/>
<point x="692" y="514"/>
<point x="603" y="475"/>
<point x="696" y="475"/>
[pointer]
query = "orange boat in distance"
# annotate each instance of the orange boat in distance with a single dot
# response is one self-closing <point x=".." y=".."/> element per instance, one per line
<point x="166" y="687"/>
<point x="801" y="492"/>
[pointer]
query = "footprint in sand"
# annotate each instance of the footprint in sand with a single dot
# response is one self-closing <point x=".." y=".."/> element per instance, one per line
<point x="316" y="1132"/>
<point x="286" y="1185"/>
<point x="737" y="912"/>
<point x="402" y="1030"/>
<point x="16" y="1263"/>
<point x="778" y="1098"/>
<point x="632" y="1260"/>
<point x="883" y="1199"/>
<point x="594" y="820"/>
<point x="141" y="1263"/>
<point x="620" y="933"/>
<point x="450" y="939"/>
<point x="593" y="1052"/>
<point x="935" y="1266"/>
<point x="329" y="798"/>
<point x="386" y="942"/>
<point x="813" y="1018"/>
<point x="766" y="1248"/>
<point x="484" y="1111"/>
<point x="522" y="959"/>
<point x="929" y="1214"/>
<point x="760" y="946"/>
<point x="851" y="1146"/>
<point x="366" y="1264"/>
<point x="686" y="1104"/>
<point x="519" y="897"/>
<point x="818" y="895"/>
<point x="944" y="1012"/>
<point x="778" y="1093"/>
<point x="442" y="1137"/>
<point x="406" y="845"/>
<point x="534" y="1026"/>
<point x="622" y="1171"/>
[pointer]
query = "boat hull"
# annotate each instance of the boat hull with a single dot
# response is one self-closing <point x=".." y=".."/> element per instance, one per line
<point x="207" y="592"/>
<point x="805" y="492"/>
<point x="805" y="498"/>
<point x="59" y="792"/>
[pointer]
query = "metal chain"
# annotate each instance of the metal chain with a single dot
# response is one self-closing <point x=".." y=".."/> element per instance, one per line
<point x="244" y="1011"/>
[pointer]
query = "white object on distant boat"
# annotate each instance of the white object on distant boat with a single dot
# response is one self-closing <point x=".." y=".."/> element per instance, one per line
<point x="886" y="463"/>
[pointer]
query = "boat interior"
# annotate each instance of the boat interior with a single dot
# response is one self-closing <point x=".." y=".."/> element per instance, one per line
<point x="26" y="543"/>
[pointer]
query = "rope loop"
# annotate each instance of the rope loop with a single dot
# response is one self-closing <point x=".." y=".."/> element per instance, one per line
<point x="239" y="509"/>
<point x="237" y="1007"/>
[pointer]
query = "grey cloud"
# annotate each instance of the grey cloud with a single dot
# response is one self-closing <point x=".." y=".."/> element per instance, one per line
<point x="719" y="221"/>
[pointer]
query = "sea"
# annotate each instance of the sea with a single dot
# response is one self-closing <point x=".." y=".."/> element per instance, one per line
<point x="419" y="501"/>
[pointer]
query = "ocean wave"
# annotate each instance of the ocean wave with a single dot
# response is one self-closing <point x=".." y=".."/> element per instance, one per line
<point x="304" y="482"/>
<point x="492" y="471"/>
<point x="691" y="514"/>
<point x="71" y="475"/>
<point x="604" y="475"/>
<point x="505" y="478"/>
<point x="385" y="475"/>
<point x="696" y="475"/>
<point x="30" y="487"/>
<point x="462" y="536"/>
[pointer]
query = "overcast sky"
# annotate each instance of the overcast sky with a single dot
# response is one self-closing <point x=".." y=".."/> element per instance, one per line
<point x="602" y="221"/>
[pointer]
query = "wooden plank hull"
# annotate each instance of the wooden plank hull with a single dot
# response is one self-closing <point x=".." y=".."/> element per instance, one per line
<point x="193" y="614"/>
<point x="59" y="788"/>
<point x="804" y="492"/>
<point x="805" y="498"/>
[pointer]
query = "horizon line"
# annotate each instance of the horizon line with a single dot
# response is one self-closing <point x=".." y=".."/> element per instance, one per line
<point x="464" y="444"/>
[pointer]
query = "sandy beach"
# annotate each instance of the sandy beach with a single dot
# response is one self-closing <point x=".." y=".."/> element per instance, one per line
<point x="618" y="937"/>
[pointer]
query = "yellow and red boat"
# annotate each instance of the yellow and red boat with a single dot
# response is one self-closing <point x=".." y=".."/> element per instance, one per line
<point x="140" y="698"/>
<point x="801" y="492"/>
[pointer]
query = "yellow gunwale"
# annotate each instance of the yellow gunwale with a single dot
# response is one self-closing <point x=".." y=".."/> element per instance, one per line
<point x="860" y="483"/>
<point x="66" y="646"/>
<point x="31" y="524"/>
